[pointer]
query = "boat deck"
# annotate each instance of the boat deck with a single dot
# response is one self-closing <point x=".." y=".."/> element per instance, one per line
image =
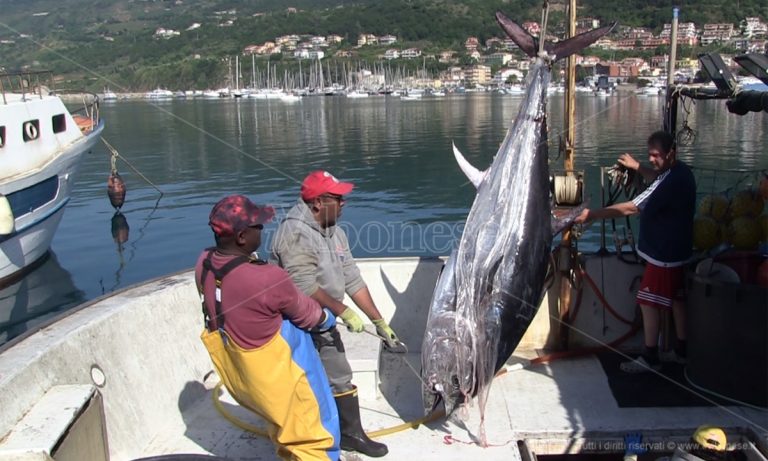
<point x="555" y="408"/>
<point x="137" y="358"/>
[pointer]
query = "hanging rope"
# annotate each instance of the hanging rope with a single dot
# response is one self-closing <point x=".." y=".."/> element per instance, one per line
<point x="544" y="18"/>
<point x="687" y="135"/>
<point x="116" y="155"/>
<point x="113" y="161"/>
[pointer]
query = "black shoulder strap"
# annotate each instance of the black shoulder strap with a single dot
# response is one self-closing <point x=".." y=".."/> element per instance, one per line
<point x="201" y="284"/>
<point x="218" y="275"/>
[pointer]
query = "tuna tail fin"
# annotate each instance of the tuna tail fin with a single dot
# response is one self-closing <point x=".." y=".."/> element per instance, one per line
<point x="474" y="175"/>
<point x="527" y="42"/>
<point x="575" y="44"/>
<point x="530" y="44"/>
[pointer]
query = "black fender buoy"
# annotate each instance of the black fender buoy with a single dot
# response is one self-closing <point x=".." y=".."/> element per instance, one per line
<point x="116" y="190"/>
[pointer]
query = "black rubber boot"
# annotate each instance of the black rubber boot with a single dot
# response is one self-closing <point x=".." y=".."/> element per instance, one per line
<point x="353" y="436"/>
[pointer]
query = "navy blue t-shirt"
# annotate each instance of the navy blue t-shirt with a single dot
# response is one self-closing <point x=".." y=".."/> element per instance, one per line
<point x="666" y="217"/>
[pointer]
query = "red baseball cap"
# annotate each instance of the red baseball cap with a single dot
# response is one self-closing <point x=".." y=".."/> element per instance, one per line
<point x="236" y="212"/>
<point x="321" y="182"/>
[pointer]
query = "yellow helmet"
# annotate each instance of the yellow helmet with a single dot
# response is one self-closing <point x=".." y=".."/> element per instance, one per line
<point x="710" y="437"/>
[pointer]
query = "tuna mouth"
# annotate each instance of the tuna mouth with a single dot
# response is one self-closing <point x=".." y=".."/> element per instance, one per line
<point x="432" y="401"/>
<point x="447" y="394"/>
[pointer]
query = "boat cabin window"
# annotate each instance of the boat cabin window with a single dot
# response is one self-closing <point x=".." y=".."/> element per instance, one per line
<point x="59" y="123"/>
<point x="33" y="197"/>
<point x="30" y="130"/>
<point x="2" y="136"/>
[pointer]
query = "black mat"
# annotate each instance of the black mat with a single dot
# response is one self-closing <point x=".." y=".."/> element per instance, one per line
<point x="669" y="389"/>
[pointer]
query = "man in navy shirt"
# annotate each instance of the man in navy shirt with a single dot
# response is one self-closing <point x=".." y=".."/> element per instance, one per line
<point x="666" y="210"/>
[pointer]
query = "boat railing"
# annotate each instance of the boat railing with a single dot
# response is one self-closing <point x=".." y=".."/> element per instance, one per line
<point x="34" y="83"/>
<point x="40" y="83"/>
<point x="87" y="116"/>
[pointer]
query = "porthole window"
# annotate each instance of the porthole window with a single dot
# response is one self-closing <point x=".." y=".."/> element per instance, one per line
<point x="59" y="123"/>
<point x="30" y="130"/>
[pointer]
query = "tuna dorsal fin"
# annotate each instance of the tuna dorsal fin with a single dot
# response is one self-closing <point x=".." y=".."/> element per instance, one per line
<point x="474" y="175"/>
<point x="530" y="44"/>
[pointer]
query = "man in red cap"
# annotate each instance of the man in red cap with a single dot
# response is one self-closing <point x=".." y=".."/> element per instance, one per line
<point x="316" y="254"/>
<point x="255" y="319"/>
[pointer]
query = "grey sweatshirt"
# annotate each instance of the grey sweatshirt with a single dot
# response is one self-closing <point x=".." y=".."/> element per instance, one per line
<point x="315" y="257"/>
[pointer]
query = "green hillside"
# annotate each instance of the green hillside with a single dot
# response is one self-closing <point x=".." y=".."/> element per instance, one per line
<point x="100" y="43"/>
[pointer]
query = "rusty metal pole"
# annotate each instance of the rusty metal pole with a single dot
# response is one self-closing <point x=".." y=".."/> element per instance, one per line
<point x="564" y="257"/>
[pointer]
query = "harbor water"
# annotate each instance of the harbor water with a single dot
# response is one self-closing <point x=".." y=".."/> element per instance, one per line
<point x="410" y="198"/>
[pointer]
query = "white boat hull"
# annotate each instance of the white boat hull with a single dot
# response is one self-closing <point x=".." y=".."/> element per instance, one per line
<point x="51" y="160"/>
<point x="26" y="247"/>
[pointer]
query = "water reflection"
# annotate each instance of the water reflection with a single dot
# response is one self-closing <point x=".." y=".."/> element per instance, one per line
<point x="40" y="295"/>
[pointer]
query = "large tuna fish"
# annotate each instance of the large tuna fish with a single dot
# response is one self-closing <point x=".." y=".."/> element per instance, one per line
<point x="492" y="285"/>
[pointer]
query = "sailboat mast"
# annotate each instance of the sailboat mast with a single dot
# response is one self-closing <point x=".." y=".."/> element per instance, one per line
<point x="568" y="164"/>
<point x="570" y="94"/>
<point x="253" y="72"/>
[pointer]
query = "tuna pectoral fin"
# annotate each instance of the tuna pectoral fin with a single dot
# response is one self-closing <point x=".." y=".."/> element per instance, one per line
<point x="474" y="175"/>
<point x="563" y="218"/>
<point x="530" y="45"/>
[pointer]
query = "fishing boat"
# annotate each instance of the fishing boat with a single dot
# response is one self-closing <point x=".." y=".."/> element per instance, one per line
<point x="126" y="376"/>
<point x="411" y="96"/>
<point x="290" y="97"/>
<point x="211" y="94"/>
<point x="41" y="146"/>
<point x="356" y="94"/>
<point x="159" y="94"/>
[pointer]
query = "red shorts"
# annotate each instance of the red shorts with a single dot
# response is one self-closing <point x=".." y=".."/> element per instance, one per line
<point x="660" y="286"/>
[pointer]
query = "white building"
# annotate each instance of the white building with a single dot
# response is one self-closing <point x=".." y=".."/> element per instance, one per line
<point x="387" y="40"/>
<point x="684" y="30"/>
<point x="166" y="33"/>
<point x="605" y="44"/>
<point x="446" y="56"/>
<point x="509" y="44"/>
<point x="716" y="33"/>
<point x="753" y="27"/>
<point x="316" y="54"/>
<point x="411" y="53"/>
<point x="318" y="41"/>
<point x="503" y="75"/>
<point x="391" y="54"/>
<point x="751" y="45"/>
<point x="367" y="39"/>
<point x="498" y="58"/>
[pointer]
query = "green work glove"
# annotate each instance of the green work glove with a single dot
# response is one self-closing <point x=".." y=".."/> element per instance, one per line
<point x="391" y="341"/>
<point x="353" y="321"/>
